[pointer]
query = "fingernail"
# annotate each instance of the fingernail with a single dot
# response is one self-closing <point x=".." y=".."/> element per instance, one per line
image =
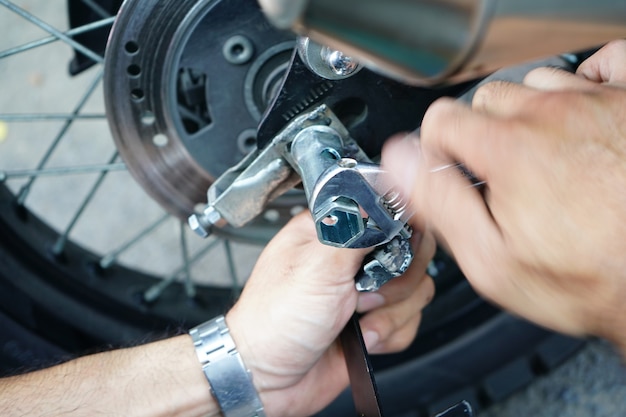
<point x="371" y="339"/>
<point x="400" y="159"/>
<point x="369" y="301"/>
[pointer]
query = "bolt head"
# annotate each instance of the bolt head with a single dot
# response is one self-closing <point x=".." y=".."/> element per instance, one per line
<point x="196" y="225"/>
<point x="341" y="64"/>
<point x="212" y="217"/>
<point x="202" y="224"/>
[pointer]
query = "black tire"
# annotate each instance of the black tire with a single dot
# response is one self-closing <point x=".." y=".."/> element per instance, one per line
<point x="50" y="311"/>
<point x="57" y="305"/>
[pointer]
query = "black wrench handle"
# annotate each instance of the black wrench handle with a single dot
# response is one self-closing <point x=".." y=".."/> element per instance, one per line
<point x="362" y="381"/>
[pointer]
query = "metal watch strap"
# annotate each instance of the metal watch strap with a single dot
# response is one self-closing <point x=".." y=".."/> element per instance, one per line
<point x="230" y="380"/>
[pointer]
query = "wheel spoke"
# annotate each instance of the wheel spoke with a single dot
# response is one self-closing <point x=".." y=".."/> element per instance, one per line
<point x="190" y="288"/>
<point x="50" y="39"/>
<point x="7" y="117"/>
<point x="96" y="8"/>
<point x="108" y="259"/>
<point x="25" y="190"/>
<point x="59" y="245"/>
<point x="181" y="275"/>
<point x="232" y="270"/>
<point x="155" y="291"/>
<point x="58" y="171"/>
<point x="51" y="30"/>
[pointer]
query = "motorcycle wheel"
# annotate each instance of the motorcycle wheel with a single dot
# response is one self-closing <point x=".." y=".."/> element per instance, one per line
<point x="76" y="277"/>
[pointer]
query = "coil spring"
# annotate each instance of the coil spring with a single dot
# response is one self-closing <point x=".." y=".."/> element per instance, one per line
<point x="394" y="202"/>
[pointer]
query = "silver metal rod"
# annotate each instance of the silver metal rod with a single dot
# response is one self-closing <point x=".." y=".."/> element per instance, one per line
<point x="58" y="171"/>
<point x="110" y="258"/>
<point x="190" y="289"/>
<point x="155" y="291"/>
<point x="236" y="290"/>
<point x="50" y="39"/>
<point x="24" y="191"/>
<point x="7" y="117"/>
<point x="43" y="25"/>
<point x="96" y="8"/>
<point x="59" y="245"/>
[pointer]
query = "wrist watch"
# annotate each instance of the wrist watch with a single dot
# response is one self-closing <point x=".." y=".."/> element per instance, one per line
<point x="230" y="380"/>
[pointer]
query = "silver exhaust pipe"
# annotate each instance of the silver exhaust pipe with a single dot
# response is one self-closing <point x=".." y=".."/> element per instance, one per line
<point x="424" y="42"/>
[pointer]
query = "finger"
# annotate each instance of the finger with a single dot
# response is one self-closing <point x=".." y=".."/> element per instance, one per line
<point x="424" y="246"/>
<point x="300" y="231"/>
<point x="454" y="209"/>
<point x="504" y="99"/>
<point x="608" y="65"/>
<point x="454" y="133"/>
<point x="400" y="339"/>
<point x="300" y="228"/>
<point x="296" y="246"/>
<point x="451" y="132"/>
<point x="556" y="79"/>
<point x="379" y="325"/>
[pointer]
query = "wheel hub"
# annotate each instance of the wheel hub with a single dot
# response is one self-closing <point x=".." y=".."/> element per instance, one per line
<point x="184" y="100"/>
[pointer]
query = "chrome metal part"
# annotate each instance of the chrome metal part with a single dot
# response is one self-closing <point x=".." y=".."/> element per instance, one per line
<point x="338" y="221"/>
<point x="363" y="183"/>
<point x="242" y="192"/>
<point x="425" y="42"/>
<point x="326" y="62"/>
<point x="262" y="177"/>
<point x="340" y="63"/>
<point x="229" y="378"/>
<point x="351" y="203"/>
<point x="387" y="262"/>
<point x="346" y="196"/>
<point x="203" y="223"/>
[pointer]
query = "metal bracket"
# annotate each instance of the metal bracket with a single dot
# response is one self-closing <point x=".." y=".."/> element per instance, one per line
<point x="352" y="204"/>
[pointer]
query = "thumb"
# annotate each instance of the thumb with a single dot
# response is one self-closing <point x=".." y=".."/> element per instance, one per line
<point x="299" y="248"/>
<point x="556" y="79"/>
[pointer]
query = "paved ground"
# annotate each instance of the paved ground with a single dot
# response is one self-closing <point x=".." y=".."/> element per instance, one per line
<point x="593" y="383"/>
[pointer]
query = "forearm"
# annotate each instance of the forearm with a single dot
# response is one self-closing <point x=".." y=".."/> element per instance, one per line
<point x="159" y="379"/>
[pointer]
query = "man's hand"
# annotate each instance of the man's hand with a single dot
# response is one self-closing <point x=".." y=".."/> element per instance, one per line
<point x="298" y="299"/>
<point x="546" y="238"/>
